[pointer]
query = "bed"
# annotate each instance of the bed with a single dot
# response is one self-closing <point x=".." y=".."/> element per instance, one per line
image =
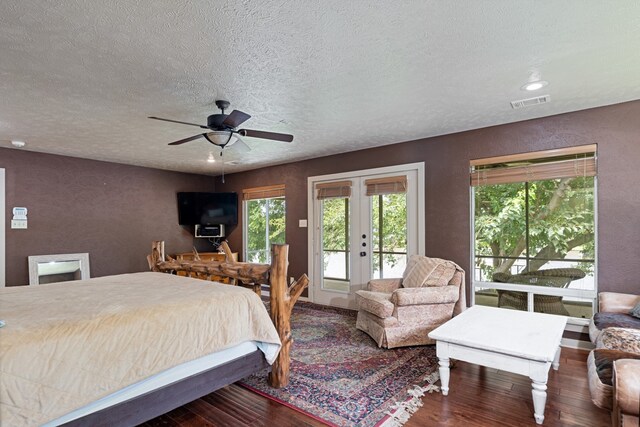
<point x="122" y="349"/>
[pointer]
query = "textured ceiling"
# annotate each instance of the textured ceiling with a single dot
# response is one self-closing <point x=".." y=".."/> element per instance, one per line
<point x="80" y="77"/>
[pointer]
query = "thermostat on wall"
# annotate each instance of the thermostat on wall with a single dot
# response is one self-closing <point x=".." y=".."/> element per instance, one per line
<point x="19" y="220"/>
<point x="19" y="213"/>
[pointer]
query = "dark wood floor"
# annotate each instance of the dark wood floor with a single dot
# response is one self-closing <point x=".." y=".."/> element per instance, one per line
<point x="477" y="397"/>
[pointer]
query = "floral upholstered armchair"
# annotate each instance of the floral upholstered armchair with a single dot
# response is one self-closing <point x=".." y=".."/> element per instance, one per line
<point x="401" y="312"/>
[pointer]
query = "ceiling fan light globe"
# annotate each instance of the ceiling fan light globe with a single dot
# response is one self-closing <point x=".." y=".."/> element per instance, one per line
<point x="220" y="138"/>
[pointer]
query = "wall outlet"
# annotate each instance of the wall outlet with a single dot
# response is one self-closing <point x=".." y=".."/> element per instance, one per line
<point x="19" y="223"/>
<point x="302" y="223"/>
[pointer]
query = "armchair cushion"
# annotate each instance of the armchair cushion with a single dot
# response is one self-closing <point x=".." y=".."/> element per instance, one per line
<point x="377" y="303"/>
<point x="384" y="285"/>
<point x="423" y="271"/>
<point x="421" y="296"/>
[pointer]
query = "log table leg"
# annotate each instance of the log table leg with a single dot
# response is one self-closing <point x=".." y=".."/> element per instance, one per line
<point x="282" y="300"/>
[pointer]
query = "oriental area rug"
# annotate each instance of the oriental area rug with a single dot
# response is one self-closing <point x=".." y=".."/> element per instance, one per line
<point x="339" y="375"/>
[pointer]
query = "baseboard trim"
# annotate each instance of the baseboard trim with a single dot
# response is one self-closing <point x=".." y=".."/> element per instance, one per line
<point x="578" y="344"/>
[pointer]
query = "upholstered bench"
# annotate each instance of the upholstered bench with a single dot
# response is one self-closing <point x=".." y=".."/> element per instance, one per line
<point x="614" y="366"/>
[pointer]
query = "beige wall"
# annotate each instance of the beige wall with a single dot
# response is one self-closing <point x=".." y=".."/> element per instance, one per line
<point x="111" y="211"/>
<point x="616" y="130"/>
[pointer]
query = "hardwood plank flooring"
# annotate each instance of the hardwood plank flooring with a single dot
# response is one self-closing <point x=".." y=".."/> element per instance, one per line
<point x="478" y="396"/>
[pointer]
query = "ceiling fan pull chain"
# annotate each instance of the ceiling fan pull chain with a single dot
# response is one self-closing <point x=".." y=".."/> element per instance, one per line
<point x="222" y="160"/>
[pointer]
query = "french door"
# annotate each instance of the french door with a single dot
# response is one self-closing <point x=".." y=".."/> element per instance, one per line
<point x="364" y="225"/>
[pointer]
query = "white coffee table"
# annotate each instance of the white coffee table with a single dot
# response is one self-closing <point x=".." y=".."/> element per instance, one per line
<point x="515" y="341"/>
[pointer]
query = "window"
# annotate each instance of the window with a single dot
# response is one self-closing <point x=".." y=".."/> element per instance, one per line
<point x="534" y="231"/>
<point x="263" y="221"/>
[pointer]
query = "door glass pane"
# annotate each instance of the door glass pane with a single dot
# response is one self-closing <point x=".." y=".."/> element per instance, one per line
<point x="335" y="244"/>
<point x="388" y="235"/>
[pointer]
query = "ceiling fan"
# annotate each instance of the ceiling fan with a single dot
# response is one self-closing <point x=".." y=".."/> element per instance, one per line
<point x="222" y="129"/>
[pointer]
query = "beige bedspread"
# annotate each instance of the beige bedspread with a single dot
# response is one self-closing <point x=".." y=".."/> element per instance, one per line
<point x="68" y="344"/>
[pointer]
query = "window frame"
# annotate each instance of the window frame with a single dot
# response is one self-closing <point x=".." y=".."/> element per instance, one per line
<point x="532" y="290"/>
<point x="245" y="224"/>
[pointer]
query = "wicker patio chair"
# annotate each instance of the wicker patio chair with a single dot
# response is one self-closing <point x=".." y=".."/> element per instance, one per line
<point x="554" y="277"/>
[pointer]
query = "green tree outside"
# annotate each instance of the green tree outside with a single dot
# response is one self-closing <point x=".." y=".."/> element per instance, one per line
<point x="560" y="219"/>
<point x="266" y="224"/>
<point x="336" y="233"/>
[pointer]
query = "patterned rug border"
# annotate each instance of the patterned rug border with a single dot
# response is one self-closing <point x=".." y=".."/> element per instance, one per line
<point x="407" y="403"/>
<point x="285" y="403"/>
<point x="402" y="411"/>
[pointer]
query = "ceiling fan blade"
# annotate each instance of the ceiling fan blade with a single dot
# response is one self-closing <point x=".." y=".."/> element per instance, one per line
<point x="191" y="138"/>
<point x="176" y="121"/>
<point x="241" y="146"/>
<point x="236" y="118"/>
<point x="266" y="135"/>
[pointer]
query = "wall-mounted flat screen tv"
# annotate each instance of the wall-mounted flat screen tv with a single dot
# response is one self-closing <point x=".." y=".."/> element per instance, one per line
<point x="207" y="208"/>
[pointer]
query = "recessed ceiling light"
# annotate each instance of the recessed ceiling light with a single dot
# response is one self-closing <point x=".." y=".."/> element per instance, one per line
<point x="535" y="85"/>
<point x="211" y="159"/>
<point x="18" y="144"/>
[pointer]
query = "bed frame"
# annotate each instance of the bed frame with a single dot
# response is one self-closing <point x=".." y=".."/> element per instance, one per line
<point x="164" y="399"/>
<point x="282" y="299"/>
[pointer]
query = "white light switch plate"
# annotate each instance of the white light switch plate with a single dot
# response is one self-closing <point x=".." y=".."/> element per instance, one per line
<point x="302" y="223"/>
<point x="19" y="223"/>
